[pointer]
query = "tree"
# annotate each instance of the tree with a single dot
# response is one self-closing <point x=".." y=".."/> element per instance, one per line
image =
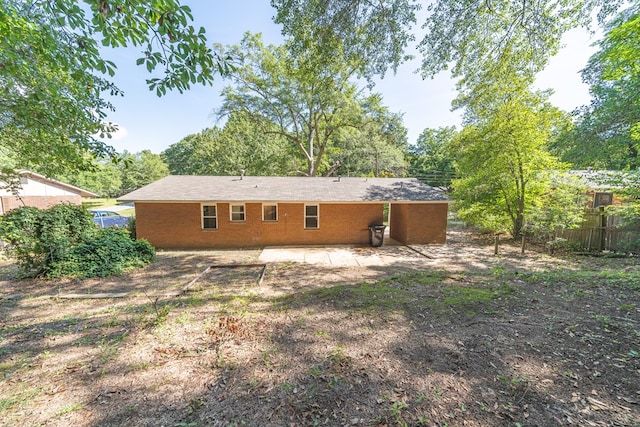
<point x="140" y="169"/>
<point x="467" y="35"/>
<point x="560" y="206"/>
<point x="258" y="150"/>
<point x="431" y="159"/>
<point x="377" y="147"/>
<point x="53" y="77"/>
<point x="239" y="145"/>
<point x="501" y="154"/>
<point x="374" y="35"/>
<point x="308" y="99"/>
<point x="185" y="156"/>
<point x="607" y="132"/>
<point x="104" y="178"/>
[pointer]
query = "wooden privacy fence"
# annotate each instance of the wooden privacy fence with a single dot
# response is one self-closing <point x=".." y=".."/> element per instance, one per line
<point x="600" y="232"/>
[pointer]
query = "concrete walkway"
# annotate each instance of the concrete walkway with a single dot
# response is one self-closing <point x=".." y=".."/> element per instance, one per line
<point x="343" y="256"/>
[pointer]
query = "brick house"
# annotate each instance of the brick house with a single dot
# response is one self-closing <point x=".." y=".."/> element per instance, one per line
<point x="39" y="191"/>
<point x="252" y="211"/>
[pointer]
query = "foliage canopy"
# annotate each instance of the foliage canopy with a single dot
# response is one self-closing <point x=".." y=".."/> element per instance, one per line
<point x="54" y="78"/>
<point x="465" y="35"/>
<point x="431" y="159"/>
<point x="502" y="156"/>
<point x="311" y="105"/>
<point x="606" y="134"/>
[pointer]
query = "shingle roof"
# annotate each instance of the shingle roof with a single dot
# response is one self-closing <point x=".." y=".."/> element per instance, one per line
<point x="82" y="192"/>
<point x="605" y="179"/>
<point x="190" y="188"/>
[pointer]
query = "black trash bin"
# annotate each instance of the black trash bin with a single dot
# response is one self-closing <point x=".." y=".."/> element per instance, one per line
<point x="376" y="235"/>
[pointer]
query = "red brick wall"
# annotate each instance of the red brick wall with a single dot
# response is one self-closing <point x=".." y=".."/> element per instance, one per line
<point x="42" y="202"/>
<point x="398" y="218"/>
<point x="418" y="223"/>
<point x="178" y="225"/>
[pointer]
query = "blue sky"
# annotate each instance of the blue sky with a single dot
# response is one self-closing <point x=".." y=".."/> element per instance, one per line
<point x="149" y="122"/>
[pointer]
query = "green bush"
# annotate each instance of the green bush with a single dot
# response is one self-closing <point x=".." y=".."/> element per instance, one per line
<point x="64" y="241"/>
<point x="19" y="228"/>
<point x="38" y="238"/>
<point x="131" y="226"/>
<point x="61" y="228"/>
<point x="110" y="251"/>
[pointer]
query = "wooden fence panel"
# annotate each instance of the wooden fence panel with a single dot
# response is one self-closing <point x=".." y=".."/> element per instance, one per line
<point x="600" y="232"/>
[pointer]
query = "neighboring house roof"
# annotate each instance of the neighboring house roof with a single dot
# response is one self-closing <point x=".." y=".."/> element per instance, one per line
<point x="48" y="181"/>
<point x="190" y="188"/>
<point x="603" y="179"/>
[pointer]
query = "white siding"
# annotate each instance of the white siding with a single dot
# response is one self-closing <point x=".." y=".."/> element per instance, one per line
<point x="37" y="188"/>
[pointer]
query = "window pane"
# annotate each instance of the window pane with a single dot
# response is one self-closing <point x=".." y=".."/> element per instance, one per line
<point x="270" y="213"/>
<point x="237" y="213"/>
<point x="210" y="223"/>
<point x="311" y="222"/>
<point x="311" y="210"/>
<point x="209" y="220"/>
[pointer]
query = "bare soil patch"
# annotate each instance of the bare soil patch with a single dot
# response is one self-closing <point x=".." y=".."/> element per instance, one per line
<point x="462" y="338"/>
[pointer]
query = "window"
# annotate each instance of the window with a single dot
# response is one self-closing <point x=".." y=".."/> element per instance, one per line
<point x="237" y="212"/>
<point x="311" y="216"/>
<point x="602" y="199"/>
<point x="209" y="217"/>
<point x="269" y="212"/>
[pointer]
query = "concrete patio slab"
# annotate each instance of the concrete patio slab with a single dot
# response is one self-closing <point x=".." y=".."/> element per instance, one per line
<point x="343" y="256"/>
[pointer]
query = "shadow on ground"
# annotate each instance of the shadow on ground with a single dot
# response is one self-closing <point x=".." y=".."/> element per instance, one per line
<point x="462" y="338"/>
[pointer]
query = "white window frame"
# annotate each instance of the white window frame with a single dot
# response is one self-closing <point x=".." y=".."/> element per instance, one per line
<point x="244" y="212"/>
<point x="264" y="205"/>
<point x="202" y="216"/>
<point x="317" y="216"/>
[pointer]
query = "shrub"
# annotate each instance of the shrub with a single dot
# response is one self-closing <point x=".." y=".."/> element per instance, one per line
<point x="560" y="244"/>
<point x="131" y="226"/>
<point x="19" y="228"/>
<point x="64" y="241"/>
<point x="110" y="251"/>
<point x="62" y="227"/>
<point x="38" y="238"/>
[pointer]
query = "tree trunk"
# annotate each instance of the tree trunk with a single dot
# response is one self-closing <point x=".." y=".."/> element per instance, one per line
<point x="517" y="226"/>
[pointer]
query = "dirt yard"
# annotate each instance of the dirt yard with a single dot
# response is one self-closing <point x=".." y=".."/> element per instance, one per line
<point x="459" y="338"/>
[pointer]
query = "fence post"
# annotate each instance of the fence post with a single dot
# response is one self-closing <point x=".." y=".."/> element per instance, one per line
<point x="603" y="227"/>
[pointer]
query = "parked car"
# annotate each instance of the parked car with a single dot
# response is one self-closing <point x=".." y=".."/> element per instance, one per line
<point x="109" y="218"/>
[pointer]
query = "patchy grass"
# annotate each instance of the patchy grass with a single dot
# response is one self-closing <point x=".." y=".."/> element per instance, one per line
<point x="98" y="203"/>
<point x="498" y="341"/>
<point x="626" y="279"/>
<point x="463" y="296"/>
<point x="386" y="295"/>
<point x="67" y="409"/>
<point x="19" y="398"/>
